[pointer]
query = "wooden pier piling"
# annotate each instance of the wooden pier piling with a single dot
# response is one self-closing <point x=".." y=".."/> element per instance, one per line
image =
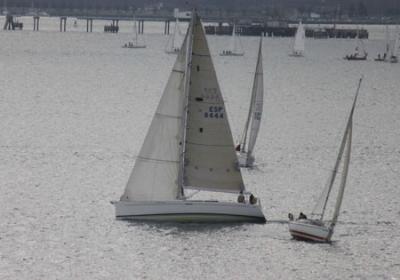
<point x="63" y="24"/>
<point x="89" y="25"/>
<point x="36" y="23"/>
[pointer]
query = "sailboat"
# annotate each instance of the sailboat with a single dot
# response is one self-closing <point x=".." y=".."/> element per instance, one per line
<point x="395" y="51"/>
<point x="318" y="229"/>
<point x="385" y="54"/>
<point x="249" y="136"/>
<point x="189" y="146"/>
<point x="172" y="44"/>
<point x="359" y="52"/>
<point x="236" y="47"/>
<point x="135" y="44"/>
<point x="299" y="41"/>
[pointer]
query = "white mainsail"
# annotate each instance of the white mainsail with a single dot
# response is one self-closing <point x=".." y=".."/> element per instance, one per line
<point x="210" y="158"/>
<point x="235" y="48"/>
<point x="299" y="40"/>
<point x="255" y="110"/>
<point x="396" y="46"/>
<point x="154" y="176"/>
<point x="387" y="40"/>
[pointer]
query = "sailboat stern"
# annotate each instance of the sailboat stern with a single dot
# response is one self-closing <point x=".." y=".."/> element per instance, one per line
<point x="189" y="211"/>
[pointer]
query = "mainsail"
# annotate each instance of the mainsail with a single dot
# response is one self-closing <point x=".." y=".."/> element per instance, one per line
<point x="299" y="40"/>
<point x="210" y="161"/>
<point x="256" y="108"/>
<point x="154" y="176"/>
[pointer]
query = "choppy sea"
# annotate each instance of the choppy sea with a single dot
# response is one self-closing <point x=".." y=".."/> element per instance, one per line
<point x="74" y="110"/>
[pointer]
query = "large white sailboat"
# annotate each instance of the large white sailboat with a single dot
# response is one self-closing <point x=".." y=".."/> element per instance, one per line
<point x="136" y="43"/>
<point x="299" y="41"/>
<point x="252" y="126"/>
<point x="174" y="40"/>
<point x="384" y="57"/>
<point x="236" y="46"/>
<point x="189" y="145"/>
<point x="316" y="228"/>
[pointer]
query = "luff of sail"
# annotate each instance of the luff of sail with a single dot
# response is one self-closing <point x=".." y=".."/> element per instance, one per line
<point x="256" y="108"/>
<point x="154" y="176"/>
<point x="210" y="158"/>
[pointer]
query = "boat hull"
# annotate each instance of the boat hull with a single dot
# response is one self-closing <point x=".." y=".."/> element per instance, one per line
<point x="189" y="211"/>
<point x="307" y="231"/>
<point x="231" y="54"/>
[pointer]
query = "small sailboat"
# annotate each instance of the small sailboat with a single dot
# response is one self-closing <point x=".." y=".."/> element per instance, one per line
<point x="395" y="51"/>
<point x="236" y="46"/>
<point x="135" y="44"/>
<point x="359" y="52"/>
<point x="189" y="146"/>
<point x="316" y="228"/>
<point x="385" y="54"/>
<point x="299" y="41"/>
<point x="249" y="136"/>
<point x="173" y="43"/>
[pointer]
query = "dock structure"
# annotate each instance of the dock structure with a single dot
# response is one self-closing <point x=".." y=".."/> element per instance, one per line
<point x="11" y="24"/>
<point x="63" y="24"/>
<point x="113" y="27"/>
<point x="89" y="25"/>
<point x="36" y="23"/>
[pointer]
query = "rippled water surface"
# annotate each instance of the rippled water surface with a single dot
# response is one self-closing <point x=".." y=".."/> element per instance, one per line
<point x="74" y="109"/>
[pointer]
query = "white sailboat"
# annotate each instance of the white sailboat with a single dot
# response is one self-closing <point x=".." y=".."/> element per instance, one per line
<point x="135" y="44"/>
<point x="385" y="54"/>
<point x="299" y="41"/>
<point x="174" y="40"/>
<point x="189" y="145"/>
<point x="249" y="136"/>
<point x="317" y="228"/>
<point x="359" y="51"/>
<point x="236" y="46"/>
<point x="395" y="51"/>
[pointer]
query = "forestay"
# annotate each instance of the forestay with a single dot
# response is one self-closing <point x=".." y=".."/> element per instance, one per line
<point x="154" y="176"/>
<point x="210" y="158"/>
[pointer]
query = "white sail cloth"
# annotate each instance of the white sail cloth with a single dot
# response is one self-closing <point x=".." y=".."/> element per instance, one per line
<point x="154" y="176"/>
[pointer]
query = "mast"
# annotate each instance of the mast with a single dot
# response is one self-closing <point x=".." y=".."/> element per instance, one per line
<point x="341" y="150"/>
<point x="387" y="38"/>
<point x="189" y="45"/>
<point x="233" y="42"/>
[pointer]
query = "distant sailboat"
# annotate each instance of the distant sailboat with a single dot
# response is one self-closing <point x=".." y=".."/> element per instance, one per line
<point x="189" y="145"/>
<point x="299" y="41"/>
<point x="359" y="52"/>
<point x="317" y="228"/>
<point x="395" y="51"/>
<point x="135" y="44"/>
<point x="174" y="40"/>
<point x="236" y="46"/>
<point x="249" y="137"/>
<point x="385" y="54"/>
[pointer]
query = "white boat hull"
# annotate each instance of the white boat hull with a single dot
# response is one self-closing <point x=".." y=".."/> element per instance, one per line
<point x="189" y="211"/>
<point x="306" y="230"/>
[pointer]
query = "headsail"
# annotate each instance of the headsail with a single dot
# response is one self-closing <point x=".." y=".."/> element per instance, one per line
<point x="154" y="176"/>
<point x="210" y="158"/>
<point x="256" y="108"/>
<point x="320" y="207"/>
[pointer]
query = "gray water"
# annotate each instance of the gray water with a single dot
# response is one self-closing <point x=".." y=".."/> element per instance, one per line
<point x="74" y="110"/>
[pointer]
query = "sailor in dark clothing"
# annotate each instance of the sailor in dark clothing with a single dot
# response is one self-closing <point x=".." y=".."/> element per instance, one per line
<point x="302" y="216"/>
